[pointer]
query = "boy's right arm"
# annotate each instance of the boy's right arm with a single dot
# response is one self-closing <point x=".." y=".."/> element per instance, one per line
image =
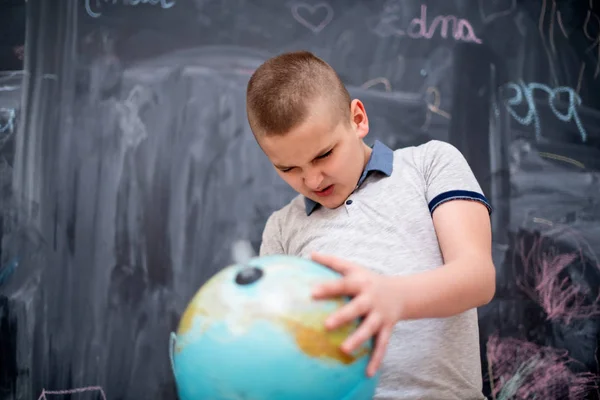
<point x="271" y="238"/>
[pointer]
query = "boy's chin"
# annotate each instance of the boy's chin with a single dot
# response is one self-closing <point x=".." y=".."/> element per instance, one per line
<point x="330" y="203"/>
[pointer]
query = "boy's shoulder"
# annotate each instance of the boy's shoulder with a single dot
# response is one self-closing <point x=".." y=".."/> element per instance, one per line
<point x="427" y="151"/>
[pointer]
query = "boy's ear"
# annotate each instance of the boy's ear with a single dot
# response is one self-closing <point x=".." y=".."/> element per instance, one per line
<point x="360" y="121"/>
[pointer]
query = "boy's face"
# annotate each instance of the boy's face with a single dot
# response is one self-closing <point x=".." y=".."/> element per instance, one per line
<point x="323" y="157"/>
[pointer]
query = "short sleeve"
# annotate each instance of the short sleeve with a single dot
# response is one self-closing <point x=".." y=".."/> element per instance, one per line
<point x="271" y="237"/>
<point x="448" y="176"/>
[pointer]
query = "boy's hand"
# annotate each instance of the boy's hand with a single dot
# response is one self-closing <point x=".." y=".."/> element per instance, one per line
<point x="374" y="297"/>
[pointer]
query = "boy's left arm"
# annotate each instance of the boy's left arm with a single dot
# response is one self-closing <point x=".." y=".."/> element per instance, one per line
<point x="466" y="280"/>
<point x="461" y="218"/>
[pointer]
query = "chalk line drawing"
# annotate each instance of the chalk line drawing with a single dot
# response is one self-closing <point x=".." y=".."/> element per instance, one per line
<point x="312" y="9"/>
<point x="551" y="28"/>
<point x="378" y="81"/>
<point x="94" y="12"/>
<point x="10" y="116"/>
<point x="596" y="40"/>
<point x="19" y="52"/>
<point x="133" y="128"/>
<point x="519" y="369"/>
<point x="544" y="43"/>
<point x="543" y="281"/>
<point x="433" y="107"/>
<point x="72" y="391"/>
<point x="488" y="17"/>
<point x="565" y="159"/>
<point x="580" y="78"/>
<point x="561" y="24"/>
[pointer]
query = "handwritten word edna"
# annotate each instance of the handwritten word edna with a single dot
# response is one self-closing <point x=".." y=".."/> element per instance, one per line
<point x="524" y="92"/>
<point x="93" y="7"/>
<point x="461" y="28"/>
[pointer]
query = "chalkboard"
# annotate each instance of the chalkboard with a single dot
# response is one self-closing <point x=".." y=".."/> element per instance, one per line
<point x="135" y="172"/>
<point x="12" y="34"/>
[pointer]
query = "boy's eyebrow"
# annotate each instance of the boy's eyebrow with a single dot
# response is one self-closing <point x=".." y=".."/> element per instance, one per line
<point x="319" y="154"/>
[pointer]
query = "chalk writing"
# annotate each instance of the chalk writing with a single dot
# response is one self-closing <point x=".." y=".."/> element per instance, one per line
<point x="489" y="9"/>
<point x="542" y="280"/>
<point x="565" y="159"/>
<point x="580" y="78"/>
<point x="561" y="24"/>
<point x="449" y="25"/>
<point x="524" y="92"/>
<point x="93" y="7"/>
<point x="7" y="119"/>
<point x="19" y="52"/>
<point x="550" y="53"/>
<point x="133" y="128"/>
<point x="7" y="270"/>
<point x="519" y="369"/>
<point x="72" y="391"/>
<point x="595" y="40"/>
<point x="563" y="232"/>
<point x="433" y="106"/>
<point x="303" y="8"/>
<point x="378" y="81"/>
<point x="461" y="28"/>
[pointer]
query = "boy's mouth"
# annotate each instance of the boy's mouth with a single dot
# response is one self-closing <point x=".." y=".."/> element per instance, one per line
<point x="325" y="192"/>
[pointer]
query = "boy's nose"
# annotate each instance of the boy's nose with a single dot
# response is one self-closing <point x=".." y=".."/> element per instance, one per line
<point x="313" y="180"/>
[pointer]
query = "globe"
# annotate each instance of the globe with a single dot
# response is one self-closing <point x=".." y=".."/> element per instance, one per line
<point x="253" y="332"/>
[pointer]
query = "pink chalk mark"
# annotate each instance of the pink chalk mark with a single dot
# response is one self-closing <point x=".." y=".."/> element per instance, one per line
<point x="548" y="374"/>
<point x="561" y="299"/>
<point x="461" y="28"/>
<point x="19" y="52"/>
<point x="72" y="391"/>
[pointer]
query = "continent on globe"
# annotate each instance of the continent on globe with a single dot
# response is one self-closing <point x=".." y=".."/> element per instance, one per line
<point x="253" y="331"/>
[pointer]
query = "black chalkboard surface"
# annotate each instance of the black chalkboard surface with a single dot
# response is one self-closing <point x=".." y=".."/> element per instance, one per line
<point x="135" y="172"/>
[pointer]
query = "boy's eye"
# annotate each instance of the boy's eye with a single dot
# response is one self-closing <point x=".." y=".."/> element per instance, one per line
<point x="325" y="155"/>
<point x="286" y="170"/>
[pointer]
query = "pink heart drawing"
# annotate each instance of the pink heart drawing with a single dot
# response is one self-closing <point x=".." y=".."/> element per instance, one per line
<point x="494" y="11"/>
<point x="312" y="10"/>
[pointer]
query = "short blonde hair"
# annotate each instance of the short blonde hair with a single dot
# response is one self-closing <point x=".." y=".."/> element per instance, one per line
<point x="280" y="90"/>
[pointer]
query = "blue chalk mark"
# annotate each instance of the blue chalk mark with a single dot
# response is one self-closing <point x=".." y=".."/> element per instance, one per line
<point x="525" y="91"/>
<point x="92" y="7"/>
<point x="7" y="271"/>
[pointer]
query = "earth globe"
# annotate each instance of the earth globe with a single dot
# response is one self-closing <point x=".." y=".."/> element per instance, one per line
<point x="254" y="332"/>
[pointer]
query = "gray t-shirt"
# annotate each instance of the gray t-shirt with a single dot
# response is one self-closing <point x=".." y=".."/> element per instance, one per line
<point x="386" y="225"/>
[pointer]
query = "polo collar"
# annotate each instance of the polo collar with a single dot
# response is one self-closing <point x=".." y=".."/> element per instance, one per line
<point x="381" y="160"/>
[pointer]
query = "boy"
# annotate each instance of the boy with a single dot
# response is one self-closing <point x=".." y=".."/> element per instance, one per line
<point x="408" y="229"/>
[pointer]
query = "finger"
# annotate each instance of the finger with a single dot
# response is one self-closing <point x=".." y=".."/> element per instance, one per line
<point x="383" y="338"/>
<point x="336" y="288"/>
<point x="367" y="329"/>
<point x="352" y="310"/>
<point x="335" y="263"/>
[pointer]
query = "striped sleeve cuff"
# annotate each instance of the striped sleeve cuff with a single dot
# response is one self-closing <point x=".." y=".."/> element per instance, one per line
<point x="458" y="195"/>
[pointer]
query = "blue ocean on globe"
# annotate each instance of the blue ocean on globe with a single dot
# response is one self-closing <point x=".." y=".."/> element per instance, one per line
<point x="253" y="332"/>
